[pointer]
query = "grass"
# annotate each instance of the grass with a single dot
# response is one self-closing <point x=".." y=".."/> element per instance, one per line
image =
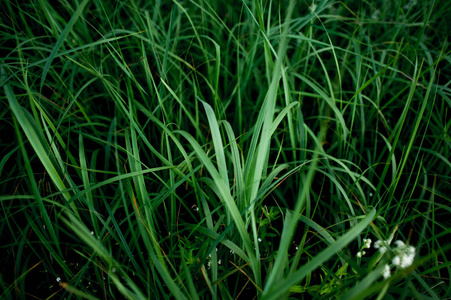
<point x="225" y="150"/>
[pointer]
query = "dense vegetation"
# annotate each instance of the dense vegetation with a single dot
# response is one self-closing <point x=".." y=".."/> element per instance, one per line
<point x="225" y="149"/>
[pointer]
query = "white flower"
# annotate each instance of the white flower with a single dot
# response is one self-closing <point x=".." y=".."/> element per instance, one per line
<point x="396" y="261"/>
<point x="219" y="262"/>
<point x="209" y="264"/>
<point x="405" y="255"/>
<point x="410" y="250"/>
<point x="400" y="244"/>
<point x="92" y="232"/>
<point x="407" y="261"/>
<point x="380" y="245"/>
<point x="367" y="243"/>
<point x="259" y="239"/>
<point x="359" y="254"/>
<point x="386" y="271"/>
<point x="58" y="279"/>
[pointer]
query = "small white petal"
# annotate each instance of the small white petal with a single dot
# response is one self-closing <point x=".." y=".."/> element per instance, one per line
<point x="396" y="261"/>
<point x="386" y="272"/>
<point x="400" y="244"/>
<point x="407" y="261"/>
<point x="378" y="244"/>
<point x="410" y="250"/>
<point x="58" y="279"/>
<point x="259" y="239"/>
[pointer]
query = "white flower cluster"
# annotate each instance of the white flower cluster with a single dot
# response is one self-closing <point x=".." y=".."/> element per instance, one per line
<point x="386" y="272"/>
<point x="381" y="245"/>
<point x="367" y="245"/>
<point x="209" y="260"/>
<point x="404" y="255"/>
<point x="360" y="253"/>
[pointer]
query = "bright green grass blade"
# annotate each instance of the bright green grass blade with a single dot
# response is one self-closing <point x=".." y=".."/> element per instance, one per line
<point x="66" y="53"/>
<point x="118" y="232"/>
<point x="321" y="230"/>
<point x="282" y="287"/>
<point x="6" y="157"/>
<point x="173" y="288"/>
<point x="76" y="291"/>
<point x="290" y="121"/>
<point x="54" y="136"/>
<point x="227" y="243"/>
<point x="426" y="286"/>
<point x="368" y="281"/>
<point x="217" y="142"/>
<point x="191" y="287"/>
<point x="225" y="196"/>
<point x="329" y="100"/>
<point x="133" y="123"/>
<point x="83" y="233"/>
<point x="38" y="143"/>
<point x="140" y="189"/>
<point x="419" y="119"/>
<point x="257" y="166"/>
<point x="237" y="167"/>
<point x="61" y="39"/>
<point x="115" y="179"/>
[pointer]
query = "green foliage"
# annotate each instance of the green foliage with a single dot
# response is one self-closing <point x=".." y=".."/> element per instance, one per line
<point x="225" y="149"/>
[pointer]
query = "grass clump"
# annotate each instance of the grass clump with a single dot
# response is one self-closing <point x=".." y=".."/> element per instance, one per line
<point x="225" y="150"/>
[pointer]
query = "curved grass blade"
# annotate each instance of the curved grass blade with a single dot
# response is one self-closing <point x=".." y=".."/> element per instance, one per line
<point x="61" y="39"/>
<point x="282" y="287"/>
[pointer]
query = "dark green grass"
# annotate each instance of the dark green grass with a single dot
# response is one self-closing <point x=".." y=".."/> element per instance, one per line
<point x="224" y="149"/>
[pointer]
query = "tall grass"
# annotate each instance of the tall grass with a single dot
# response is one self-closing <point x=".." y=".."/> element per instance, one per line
<point x="224" y="150"/>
